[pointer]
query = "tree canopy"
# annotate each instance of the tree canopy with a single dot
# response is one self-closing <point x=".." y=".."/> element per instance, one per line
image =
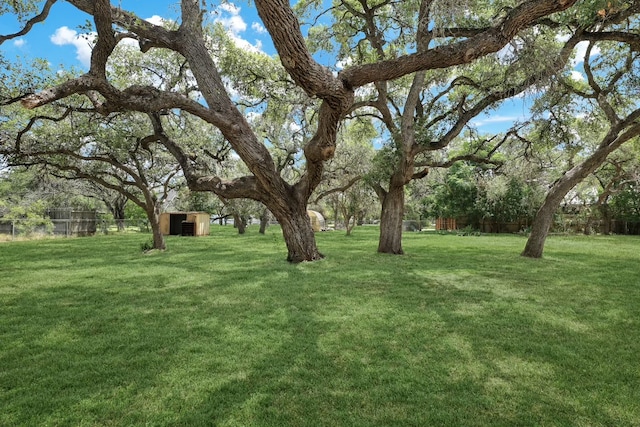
<point x="422" y="69"/>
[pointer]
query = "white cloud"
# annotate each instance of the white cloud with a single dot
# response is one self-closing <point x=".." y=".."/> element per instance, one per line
<point x="130" y="42"/>
<point x="230" y="8"/>
<point x="233" y="23"/>
<point x="577" y="75"/>
<point x="495" y="120"/>
<point x="258" y="28"/>
<point x="156" y="20"/>
<point x="294" y="127"/>
<point x="19" y="43"/>
<point x="581" y="51"/>
<point x="229" y="17"/>
<point x="344" y="63"/>
<point x="65" y="36"/>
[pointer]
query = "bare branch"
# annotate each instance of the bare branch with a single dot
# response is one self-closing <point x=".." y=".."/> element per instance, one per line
<point x="341" y="189"/>
<point x="30" y="23"/>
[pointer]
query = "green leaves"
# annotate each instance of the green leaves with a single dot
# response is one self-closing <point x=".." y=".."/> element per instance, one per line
<point x="22" y="9"/>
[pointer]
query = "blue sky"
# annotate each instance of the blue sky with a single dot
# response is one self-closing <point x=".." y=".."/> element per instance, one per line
<point x="58" y="40"/>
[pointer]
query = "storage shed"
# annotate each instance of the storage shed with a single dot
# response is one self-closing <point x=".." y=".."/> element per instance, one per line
<point x="184" y="223"/>
<point x="317" y="221"/>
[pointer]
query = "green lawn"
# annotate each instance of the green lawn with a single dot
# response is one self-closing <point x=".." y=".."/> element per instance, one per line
<point x="221" y="331"/>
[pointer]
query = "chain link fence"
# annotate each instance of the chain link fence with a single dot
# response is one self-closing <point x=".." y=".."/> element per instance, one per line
<point x="18" y="229"/>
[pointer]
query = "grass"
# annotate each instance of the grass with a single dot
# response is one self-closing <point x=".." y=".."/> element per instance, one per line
<point x="222" y="331"/>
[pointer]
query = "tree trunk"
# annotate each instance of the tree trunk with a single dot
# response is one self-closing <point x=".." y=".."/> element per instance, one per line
<point x="540" y="227"/>
<point x="544" y="217"/>
<point x="391" y="221"/>
<point x="350" y="224"/>
<point x="118" y="215"/>
<point x="588" y="222"/>
<point x="297" y="232"/>
<point x="116" y="206"/>
<point x="153" y="214"/>
<point x="264" y="221"/>
<point x="606" y="219"/>
<point x="240" y="223"/>
<point x="348" y="216"/>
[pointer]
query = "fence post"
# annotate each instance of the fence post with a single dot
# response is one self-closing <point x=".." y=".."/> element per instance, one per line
<point x="13" y="229"/>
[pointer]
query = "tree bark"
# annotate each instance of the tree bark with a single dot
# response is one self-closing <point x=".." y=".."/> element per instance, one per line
<point x="297" y="232"/>
<point x="350" y="225"/>
<point x="118" y="211"/>
<point x="116" y="207"/>
<point x="264" y="221"/>
<point x="153" y="214"/>
<point x="391" y="221"/>
<point x="605" y="212"/>
<point x="240" y="223"/>
<point x="542" y="224"/>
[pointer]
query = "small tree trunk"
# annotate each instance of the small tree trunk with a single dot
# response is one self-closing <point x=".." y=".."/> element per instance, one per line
<point x="606" y="219"/>
<point x="153" y="214"/>
<point x="391" y="221"/>
<point x="350" y="224"/>
<point x="264" y="221"/>
<point x="240" y="223"/>
<point x="540" y="229"/>
<point x="117" y="211"/>
<point x="588" y="223"/>
<point x="348" y="216"/>
<point x="544" y="218"/>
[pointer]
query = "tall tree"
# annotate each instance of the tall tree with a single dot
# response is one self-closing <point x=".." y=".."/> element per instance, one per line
<point x="334" y="91"/>
<point x="608" y="105"/>
<point x="427" y="110"/>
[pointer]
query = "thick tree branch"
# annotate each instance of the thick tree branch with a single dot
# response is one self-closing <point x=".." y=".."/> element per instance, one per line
<point x="244" y="187"/>
<point x="316" y="80"/>
<point x="465" y="116"/>
<point x="463" y="52"/>
<point x="148" y="34"/>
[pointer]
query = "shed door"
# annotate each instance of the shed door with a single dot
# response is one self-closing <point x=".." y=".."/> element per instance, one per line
<point x="175" y="223"/>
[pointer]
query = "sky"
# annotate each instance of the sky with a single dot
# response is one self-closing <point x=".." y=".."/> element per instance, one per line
<point x="58" y="38"/>
<point x="59" y="41"/>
